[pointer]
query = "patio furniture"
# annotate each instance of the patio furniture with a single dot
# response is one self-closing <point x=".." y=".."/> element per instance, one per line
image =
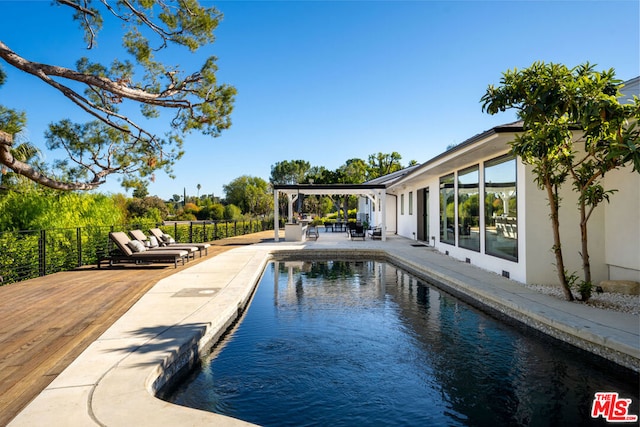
<point x="152" y="244"/>
<point x="357" y="232"/>
<point x="312" y="232"/>
<point x="349" y="227"/>
<point x="327" y="226"/>
<point x="132" y="251"/>
<point x="167" y="241"/>
<point x="376" y="233"/>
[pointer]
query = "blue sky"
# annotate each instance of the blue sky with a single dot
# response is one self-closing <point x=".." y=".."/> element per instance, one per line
<point x="326" y="81"/>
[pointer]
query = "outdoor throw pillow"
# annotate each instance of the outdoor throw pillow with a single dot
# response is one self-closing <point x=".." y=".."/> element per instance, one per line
<point x="153" y="242"/>
<point x="167" y="238"/>
<point x="136" y="246"/>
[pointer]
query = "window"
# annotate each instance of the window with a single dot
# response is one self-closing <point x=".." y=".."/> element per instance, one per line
<point x="411" y="203"/>
<point x="402" y="204"/>
<point x="500" y="208"/>
<point x="469" y="209"/>
<point x="447" y="210"/>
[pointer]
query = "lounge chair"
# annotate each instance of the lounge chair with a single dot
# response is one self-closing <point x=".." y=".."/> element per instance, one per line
<point x="357" y="232"/>
<point x="164" y="240"/>
<point x="137" y="253"/>
<point x="154" y="246"/>
<point x="151" y="243"/>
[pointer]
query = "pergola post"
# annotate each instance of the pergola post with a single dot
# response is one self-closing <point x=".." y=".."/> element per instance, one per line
<point x="382" y="200"/>
<point x="276" y="216"/>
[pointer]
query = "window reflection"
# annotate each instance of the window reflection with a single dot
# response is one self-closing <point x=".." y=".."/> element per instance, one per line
<point x="469" y="209"/>
<point x="500" y="201"/>
<point x="447" y="210"/>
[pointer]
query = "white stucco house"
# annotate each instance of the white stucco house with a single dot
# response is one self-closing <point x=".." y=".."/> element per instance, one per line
<point x="479" y="204"/>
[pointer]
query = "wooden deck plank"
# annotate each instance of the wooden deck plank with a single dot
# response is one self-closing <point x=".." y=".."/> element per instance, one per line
<point x="46" y="322"/>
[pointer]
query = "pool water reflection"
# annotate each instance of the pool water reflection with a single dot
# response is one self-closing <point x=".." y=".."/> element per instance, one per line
<point x="364" y="343"/>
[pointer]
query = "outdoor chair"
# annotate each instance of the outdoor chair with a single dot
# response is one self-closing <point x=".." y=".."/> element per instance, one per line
<point x="133" y="251"/>
<point x="312" y="232"/>
<point x="376" y="233"/>
<point x="349" y="227"/>
<point x="357" y="232"/>
<point x="165" y="240"/>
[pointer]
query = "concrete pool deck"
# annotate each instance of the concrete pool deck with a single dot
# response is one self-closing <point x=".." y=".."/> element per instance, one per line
<point x="112" y="383"/>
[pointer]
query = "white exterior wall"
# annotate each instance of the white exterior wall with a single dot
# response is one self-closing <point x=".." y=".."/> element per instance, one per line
<point x="540" y="259"/>
<point x="622" y="225"/>
<point x="375" y="216"/>
<point x="408" y="224"/>
<point x="536" y="261"/>
<point x="516" y="270"/>
<point x="622" y="215"/>
<point x="391" y="204"/>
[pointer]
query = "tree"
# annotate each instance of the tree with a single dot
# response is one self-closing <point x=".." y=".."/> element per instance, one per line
<point x="250" y="194"/>
<point x="140" y="191"/>
<point x="214" y="211"/>
<point x="354" y="171"/>
<point x="381" y="164"/>
<point x="115" y="142"/>
<point x="40" y="208"/>
<point x="24" y="152"/>
<point x="289" y="172"/>
<point x="319" y="175"/>
<point x="232" y="213"/>
<point x="553" y="101"/>
<point x="147" y="207"/>
<point x="609" y="142"/>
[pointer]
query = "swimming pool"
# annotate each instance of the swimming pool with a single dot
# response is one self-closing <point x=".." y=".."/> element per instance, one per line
<point x="365" y="343"/>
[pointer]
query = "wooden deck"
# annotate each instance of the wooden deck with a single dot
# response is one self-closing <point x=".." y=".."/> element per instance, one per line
<point x="45" y="323"/>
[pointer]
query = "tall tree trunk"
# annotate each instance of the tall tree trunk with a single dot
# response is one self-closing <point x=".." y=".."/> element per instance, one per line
<point x="586" y="265"/>
<point x="557" y="245"/>
<point x="346" y="208"/>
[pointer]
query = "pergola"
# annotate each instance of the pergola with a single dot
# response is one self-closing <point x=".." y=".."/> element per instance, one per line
<point x="375" y="192"/>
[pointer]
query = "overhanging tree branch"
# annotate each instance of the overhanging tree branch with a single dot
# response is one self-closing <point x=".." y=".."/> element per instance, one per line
<point x="26" y="170"/>
<point x="195" y="99"/>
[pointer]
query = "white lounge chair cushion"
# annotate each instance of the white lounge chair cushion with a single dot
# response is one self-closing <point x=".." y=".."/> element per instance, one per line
<point x="136" y="246"/>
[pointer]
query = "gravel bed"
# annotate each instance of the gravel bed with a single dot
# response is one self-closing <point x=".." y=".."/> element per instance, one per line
<point x="605" y="300"/>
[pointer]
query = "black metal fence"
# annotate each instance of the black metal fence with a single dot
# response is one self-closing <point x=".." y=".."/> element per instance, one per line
<point x="27" y="254"/>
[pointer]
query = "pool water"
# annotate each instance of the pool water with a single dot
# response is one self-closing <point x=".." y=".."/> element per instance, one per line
<point x="338" y="343"/>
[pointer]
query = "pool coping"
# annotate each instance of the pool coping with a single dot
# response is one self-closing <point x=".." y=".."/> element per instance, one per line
<point x="115" y="380"/>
